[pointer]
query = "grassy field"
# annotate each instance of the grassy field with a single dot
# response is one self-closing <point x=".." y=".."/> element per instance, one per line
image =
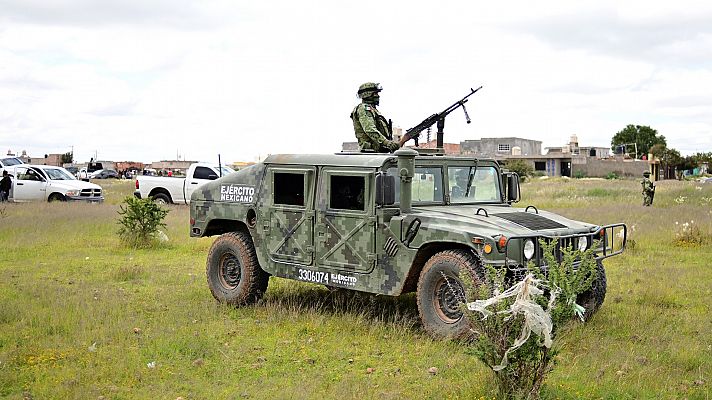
<point x="83" y="317"/>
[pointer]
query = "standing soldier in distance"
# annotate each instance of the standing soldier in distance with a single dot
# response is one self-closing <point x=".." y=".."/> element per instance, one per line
<point x="648" y="189"/>
<point x="372" y="130"/>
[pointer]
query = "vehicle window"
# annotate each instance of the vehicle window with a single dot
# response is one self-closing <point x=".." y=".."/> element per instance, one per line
<point x="204" y="173"/>
<point x="11" y="161"/>
<point x="347" y="192"/>
<point x="427" y="184"/>
<point x="469" y="184"/>
<point x="27" y="175"/>
<point x="289" y="189"/>
<point x="58" y="174"/>
<point x="227" y="170"/>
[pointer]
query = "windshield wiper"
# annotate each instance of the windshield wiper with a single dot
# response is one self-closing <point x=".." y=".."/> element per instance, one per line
<point x="470" y="177"/>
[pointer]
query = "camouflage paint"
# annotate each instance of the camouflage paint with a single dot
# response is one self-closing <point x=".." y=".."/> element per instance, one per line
<point x="348" y="248"/>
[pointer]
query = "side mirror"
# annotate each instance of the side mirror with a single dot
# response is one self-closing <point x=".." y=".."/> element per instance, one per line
<point x="385" y="190"/>
<point x="512" y="187"/>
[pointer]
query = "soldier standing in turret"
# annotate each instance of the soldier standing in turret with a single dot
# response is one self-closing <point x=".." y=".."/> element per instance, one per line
<point x="648" y="189"/>
<point x="372" y="130"/>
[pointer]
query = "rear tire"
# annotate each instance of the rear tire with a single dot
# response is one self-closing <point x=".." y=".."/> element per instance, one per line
<point x="593" y="298"/>
<point x="161" y="198"/>
<point x="440" y="293"/>
<point x="233" y="272"/>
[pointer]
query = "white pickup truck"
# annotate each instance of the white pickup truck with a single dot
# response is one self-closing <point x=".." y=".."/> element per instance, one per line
<point x="167" y="190"/>
<point x="49" y="183"/>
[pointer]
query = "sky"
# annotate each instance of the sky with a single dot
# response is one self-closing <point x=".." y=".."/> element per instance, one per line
<point x="145" y="81"/>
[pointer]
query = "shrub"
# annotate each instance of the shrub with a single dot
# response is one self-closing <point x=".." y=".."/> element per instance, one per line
<point x="542" y="306"/>
<point x="688" y="234"/>
<point x="140" y="220"/>
<point x="579" y="174"/>
<point x="612" y="175"/>
<point x="521" y="167"/>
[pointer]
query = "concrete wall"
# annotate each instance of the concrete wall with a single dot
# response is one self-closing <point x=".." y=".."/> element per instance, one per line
<point x="489" y="147"/>
<point x="593" y="167"/>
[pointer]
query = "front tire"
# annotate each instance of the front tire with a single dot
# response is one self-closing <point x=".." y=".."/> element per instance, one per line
<point x="161" y="198"/>
<point x="233" y="272"/>
<point x="56" y="197"/>
<point x="440" y="293"/>
<point x="593" y="298"/>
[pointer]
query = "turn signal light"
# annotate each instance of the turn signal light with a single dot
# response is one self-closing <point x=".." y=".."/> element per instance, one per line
<point x="487" y="248"/>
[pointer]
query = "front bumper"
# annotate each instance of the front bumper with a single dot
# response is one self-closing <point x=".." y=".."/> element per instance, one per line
<point x="610" y="240"/>
<point x="97" y="199"/>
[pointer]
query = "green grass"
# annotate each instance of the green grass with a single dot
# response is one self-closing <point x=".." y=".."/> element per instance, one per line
<point x="71" y="296"/>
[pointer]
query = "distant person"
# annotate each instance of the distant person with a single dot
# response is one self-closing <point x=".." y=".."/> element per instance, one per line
<point x="5" y="184"/>
<point x="648" y="189"/>
<point x="170" y="173"/>
<point x="372" y="130"/>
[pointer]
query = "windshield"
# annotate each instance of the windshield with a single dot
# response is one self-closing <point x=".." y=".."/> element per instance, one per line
<point x="58" y="174"/>
<point x="11" y="161"/>
<point x="227" y="170"/>
<point x="468" y="184"/>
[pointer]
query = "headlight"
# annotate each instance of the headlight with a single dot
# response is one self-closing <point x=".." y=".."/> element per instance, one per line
<point x="582" y="243"/>
<point x="528" y="249"/>
<point x="72" y="193"/>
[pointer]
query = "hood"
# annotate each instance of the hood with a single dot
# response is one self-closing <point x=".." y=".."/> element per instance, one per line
<point x="503" y="219"/>
<point x="69" y="185"/>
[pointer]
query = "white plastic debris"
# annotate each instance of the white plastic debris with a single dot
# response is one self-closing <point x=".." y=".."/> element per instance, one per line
<point x="151" y="365"/>
<point x="161" y="236"/>
<point x="536" y="319"/>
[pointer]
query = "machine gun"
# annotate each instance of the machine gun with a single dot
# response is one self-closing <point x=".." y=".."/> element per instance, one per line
<point x="439" y="118"/>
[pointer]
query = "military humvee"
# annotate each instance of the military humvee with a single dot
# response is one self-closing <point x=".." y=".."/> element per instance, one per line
<point x="380" y="223"/>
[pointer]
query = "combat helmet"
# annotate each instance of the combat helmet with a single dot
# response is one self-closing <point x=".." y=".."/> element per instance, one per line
<point x="646" y="173"/>
<point x="368" y="89"/>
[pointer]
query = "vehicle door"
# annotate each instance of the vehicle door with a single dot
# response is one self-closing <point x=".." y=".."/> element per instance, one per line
<point x="287" y="219"/>
<point x="28" y="185"/>
<point x="199" y="176"/>
<point x="345" y="220"/>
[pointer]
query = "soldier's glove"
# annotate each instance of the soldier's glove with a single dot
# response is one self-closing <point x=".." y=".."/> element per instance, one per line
<point x="392" y="146"/>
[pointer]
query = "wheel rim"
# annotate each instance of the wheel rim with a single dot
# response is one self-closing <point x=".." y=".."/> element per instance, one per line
<point x="448" y="295"/>
<point x="160" y="200"/>
<point x="230" y="270"/>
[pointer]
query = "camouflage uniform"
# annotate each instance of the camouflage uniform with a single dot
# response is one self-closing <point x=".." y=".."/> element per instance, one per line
<point x="372" y="130"/>
<point x="648" y="189"/>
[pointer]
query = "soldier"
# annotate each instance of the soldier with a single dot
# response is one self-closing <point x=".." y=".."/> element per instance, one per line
<point x="648" y="189"/>
<point x="372" y="130"/>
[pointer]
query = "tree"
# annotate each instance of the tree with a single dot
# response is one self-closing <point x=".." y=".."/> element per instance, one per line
<point x="670" y="159"/>
<point x="702" y="158"/>
<point x="521" y="167"/>
<point x="68" y="158"/>
<point x="643" y="136"/>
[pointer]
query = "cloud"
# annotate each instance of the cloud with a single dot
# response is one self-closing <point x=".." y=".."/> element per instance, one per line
<point x="671" y="37"/>
<point x="183" y="14"/>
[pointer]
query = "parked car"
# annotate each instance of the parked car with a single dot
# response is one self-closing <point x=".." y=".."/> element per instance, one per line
<point x="84" y="173"/>
<point x="49" y="183"/>
<point x="166" y="190"/>
<point x="104" y="174"/>
<point x="7" y="162"/>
